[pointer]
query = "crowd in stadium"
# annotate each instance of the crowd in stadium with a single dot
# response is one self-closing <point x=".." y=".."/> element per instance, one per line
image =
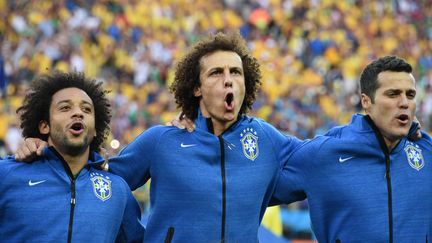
<point x="311" y="54"/>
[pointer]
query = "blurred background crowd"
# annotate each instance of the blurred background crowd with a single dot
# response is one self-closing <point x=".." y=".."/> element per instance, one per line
<point x="311" y="54"/>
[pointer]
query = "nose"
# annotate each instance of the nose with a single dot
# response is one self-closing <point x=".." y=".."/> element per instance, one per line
<point x="403" y="103"/>
<point x="77" y="112"/>
<point x="227" y="79"/>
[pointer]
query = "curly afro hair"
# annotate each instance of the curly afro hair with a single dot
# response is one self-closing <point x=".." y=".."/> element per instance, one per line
<point x="38" y="99"/>
<point x="187" y="72"/>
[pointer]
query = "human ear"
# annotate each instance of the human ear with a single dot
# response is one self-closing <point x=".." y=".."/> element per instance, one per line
<point x="44" y="127"/>
<point x="366" y="101"/>
<point x="197" y="92"/>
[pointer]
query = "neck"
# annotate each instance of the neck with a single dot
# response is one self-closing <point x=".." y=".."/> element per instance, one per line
<point x="391" y="143"/>
<point x="220" y="127"/>
<point x="76" y="161"/>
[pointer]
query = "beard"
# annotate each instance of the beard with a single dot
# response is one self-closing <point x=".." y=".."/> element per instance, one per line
<point x="68" y="146"/>
<point x="74" y="148"/>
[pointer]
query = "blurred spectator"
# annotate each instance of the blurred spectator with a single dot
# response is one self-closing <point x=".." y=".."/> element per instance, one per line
<point x="3" y="81"/>
<point x="13" y="138"/>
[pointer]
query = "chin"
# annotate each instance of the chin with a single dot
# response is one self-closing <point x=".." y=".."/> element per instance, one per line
<point x="230" y="118"/>
<point x="402" y="134"/>
<point x="78" y="143"/>
<point x="76" y="149"/>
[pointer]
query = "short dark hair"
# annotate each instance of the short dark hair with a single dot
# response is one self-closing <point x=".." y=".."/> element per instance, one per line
<point x="369" y="77"/>
<point x="38" y="99"/>
<point x="187" y="71"/>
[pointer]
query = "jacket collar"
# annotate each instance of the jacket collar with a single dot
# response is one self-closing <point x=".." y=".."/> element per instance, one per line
<point x="364" y="123"/>
<point x="53" y="157"/>
<point x="359" y="121"/>
<point x="205" y="124"/>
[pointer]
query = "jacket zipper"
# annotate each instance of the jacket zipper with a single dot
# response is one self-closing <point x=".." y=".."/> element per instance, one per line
<point x="222" y="148"/>
<point x="72" y="179"/>
<point x="221" y="142"/>
<point x="389" y="196"/>
<point x="386" y="152"/>
<point x="169" y="235"/>
<point x="72" y="206"/>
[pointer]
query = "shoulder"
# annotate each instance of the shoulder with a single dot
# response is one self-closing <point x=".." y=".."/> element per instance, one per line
<point x="315" y="151"/>
<point x="259" y="123"/>
<point x="308" y="154"/>
<point x="425" y="139"/>
<point x="149" y="138"/>
<point x="271" y="133"/>
<point x="316" y="143"/>
<point x="156" y="130"/>
<point x="335" y="131"/>
<point x="358" y="128"/>
<point x="7" y="160"/>
<point x="8" y="164"/>
<point x="426" y="136"/>
<point x="160" y="131"/>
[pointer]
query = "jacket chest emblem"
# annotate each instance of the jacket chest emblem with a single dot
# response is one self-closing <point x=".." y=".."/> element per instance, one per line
<point x="101" y="186"/>
<point x="249" y="141"/>
<point x="415" y="157"/>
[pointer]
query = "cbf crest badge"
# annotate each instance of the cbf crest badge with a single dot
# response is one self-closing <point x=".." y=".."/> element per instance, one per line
<point x="101" y="186"/>
<point x="249" y="140"/>
<point x="415" y="157"/>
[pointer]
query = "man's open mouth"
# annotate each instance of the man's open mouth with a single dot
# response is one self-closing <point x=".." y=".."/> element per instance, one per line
<point x="403" y="117"/>
<point x="76" y="127"/>
<point x="229" y="101"/>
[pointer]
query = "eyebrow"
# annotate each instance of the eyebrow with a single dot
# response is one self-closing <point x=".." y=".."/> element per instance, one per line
<point x="69" y="101"/>
<point x="221" y="68"/>
<point x="400" y="91"/>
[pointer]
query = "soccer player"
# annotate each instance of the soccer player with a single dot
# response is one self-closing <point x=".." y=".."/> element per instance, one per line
<point x="365" y="182"/>
<point x="62" y="196"/>
<point x="212" y="185"/>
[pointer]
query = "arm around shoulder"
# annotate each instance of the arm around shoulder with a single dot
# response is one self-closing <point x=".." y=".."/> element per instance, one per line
<point x="283" y="144"/>
<point x="293" y="178"/>
<point x="134" y="161"/>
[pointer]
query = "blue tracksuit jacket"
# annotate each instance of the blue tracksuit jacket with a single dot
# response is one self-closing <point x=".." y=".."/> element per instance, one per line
<point x="39" y="202"/>
<point x="205" y="188"/>
<point x="357" y="190"/>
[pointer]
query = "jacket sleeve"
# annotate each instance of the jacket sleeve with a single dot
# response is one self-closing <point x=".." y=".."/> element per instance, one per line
<point x="292" y="180"/>
<point x="134" y="161"/>
<point x="131" y="229"/>
<point x="283" y="147"/>
<point x="283" y="144"/>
